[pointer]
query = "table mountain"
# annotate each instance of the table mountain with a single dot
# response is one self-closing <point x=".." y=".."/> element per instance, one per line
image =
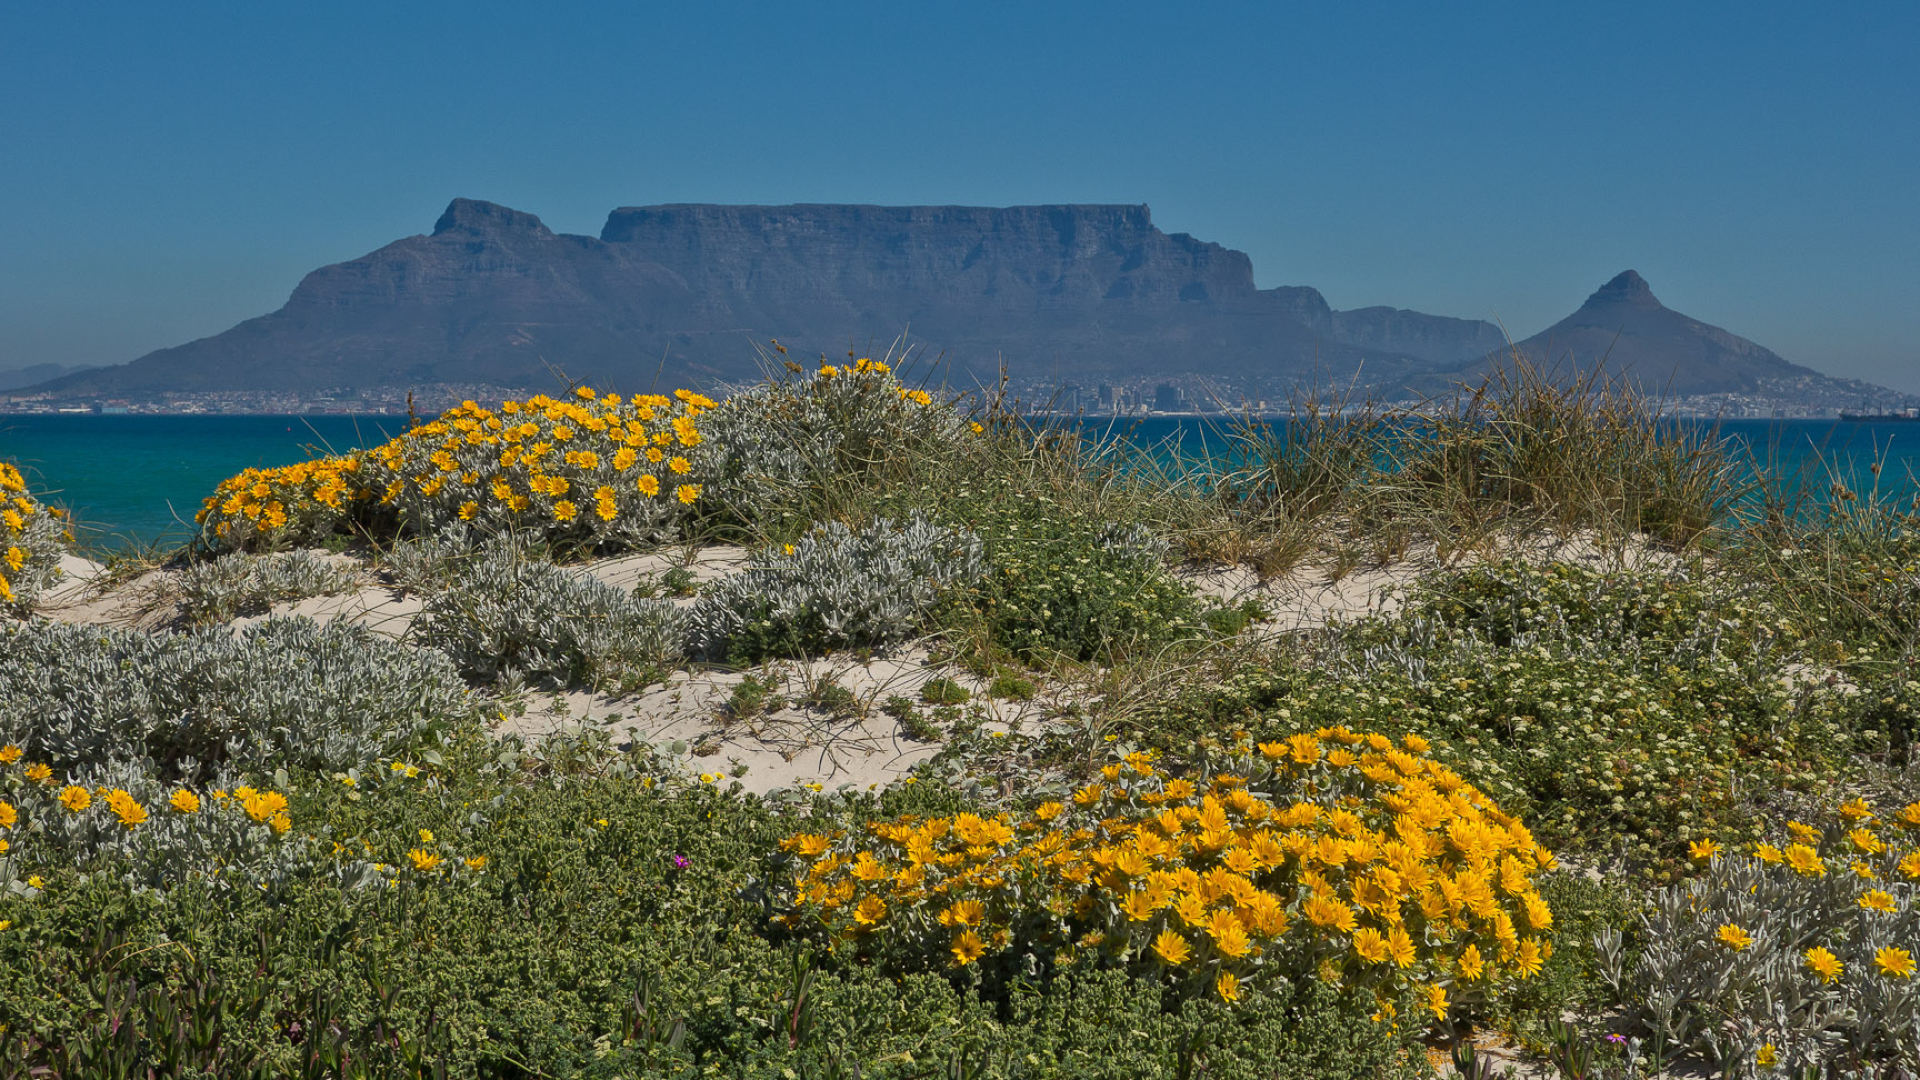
<point x="682" y="293"/>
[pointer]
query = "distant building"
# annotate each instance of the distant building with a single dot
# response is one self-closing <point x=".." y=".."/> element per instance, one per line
<point x="1169" y="398"/>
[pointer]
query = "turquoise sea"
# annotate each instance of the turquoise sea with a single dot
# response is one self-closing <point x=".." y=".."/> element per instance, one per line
<point x="131" y="481"/>
<point x="137" y="480"/>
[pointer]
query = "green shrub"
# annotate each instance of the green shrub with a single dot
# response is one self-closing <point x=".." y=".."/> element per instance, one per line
<point x="943" y="691"/>
<point x="1010" y="687"/>
<point x="1232" y="621"/>
<point x="913" y="723"/>
<point x="752" y="697"/>
<point x="677" y="582"/>
<point x="1077" y="588"/>
<point x="1515" y="600"/>
<point x="1618" y="714"/>
<point x="829" y="696"/>
<point x="612" y="930"/>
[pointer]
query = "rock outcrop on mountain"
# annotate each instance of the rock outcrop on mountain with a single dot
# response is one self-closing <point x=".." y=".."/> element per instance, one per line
<point x="681" y="294"/>
<point x="1625" y="330"/>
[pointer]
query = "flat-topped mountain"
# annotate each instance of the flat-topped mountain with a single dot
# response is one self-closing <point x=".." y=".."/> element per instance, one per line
<point x="684" y="291"/>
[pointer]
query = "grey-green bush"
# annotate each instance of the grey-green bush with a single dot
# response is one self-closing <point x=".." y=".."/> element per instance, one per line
<point x="511" y="610"/>
<point x="773" y="450"/>
<point x="836" y="588"/>
<point x="287" y="692"/>
<point x="218" y="590"/>
<point x="1807" y="949"/>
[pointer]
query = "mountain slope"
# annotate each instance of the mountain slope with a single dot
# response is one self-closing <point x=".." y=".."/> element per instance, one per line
<point x="13" y="378"/>
<point x="1625" y="329"/>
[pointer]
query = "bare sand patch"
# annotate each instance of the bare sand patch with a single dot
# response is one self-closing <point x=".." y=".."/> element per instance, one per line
<point x="704" y="564"/>
<point x="800" y="742"/>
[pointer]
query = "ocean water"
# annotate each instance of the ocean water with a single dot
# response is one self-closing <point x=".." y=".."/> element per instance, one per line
<point x="133" y="481"/>
<point x="1811" y="452"/>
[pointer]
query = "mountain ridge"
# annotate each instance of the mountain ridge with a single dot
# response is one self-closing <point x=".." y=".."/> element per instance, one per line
<point x="685" y="292"/>
<point x="493" y="295"/>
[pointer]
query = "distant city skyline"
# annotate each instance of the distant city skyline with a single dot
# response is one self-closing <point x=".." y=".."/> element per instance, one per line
<point x="175" y="171"/>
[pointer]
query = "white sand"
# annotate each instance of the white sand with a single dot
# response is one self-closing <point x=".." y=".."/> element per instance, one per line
<point x="796" y="744"/>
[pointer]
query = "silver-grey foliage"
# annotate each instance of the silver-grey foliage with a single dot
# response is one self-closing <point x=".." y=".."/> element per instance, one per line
<point x="426" y="564"/>
<point x="32" y="539"/>
<point x="509" y="610"/>
<point x="286" y="693"/>
<point x="768" y="446"/>
<point x="1695" y="988"/>
<point x="218" y="590"/>
<point x="835" y="588"/>
<point x="214" y="840"/>
<point x="1135" y="541"/>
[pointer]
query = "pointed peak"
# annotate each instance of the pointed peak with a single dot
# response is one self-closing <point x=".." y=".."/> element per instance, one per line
<point x="1627" y="288"/>
<point x="484" y="218"/>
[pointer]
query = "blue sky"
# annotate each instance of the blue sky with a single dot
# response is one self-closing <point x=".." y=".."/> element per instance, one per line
<point x="171" y="170"/>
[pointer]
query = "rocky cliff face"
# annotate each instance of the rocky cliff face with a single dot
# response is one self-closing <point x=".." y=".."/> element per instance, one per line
<point x="1013" y="262"/>
<point x="493" y="295"/>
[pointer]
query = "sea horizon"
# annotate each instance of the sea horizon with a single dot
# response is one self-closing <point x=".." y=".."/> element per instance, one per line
<point x="134" y="481"/>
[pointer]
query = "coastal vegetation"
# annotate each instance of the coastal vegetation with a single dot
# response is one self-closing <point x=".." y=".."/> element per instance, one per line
<point x="31" y="539"/>
<point x="1609" y="772"/>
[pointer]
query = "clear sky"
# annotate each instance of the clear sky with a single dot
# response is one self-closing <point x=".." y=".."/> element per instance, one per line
<point x="168" y="170"/>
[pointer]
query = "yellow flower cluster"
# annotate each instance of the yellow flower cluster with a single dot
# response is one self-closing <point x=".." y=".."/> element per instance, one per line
<point x="269" y="808"/>
<point x="265" y="502"/>
<point x="1852" y="847"/>
<point x="28" y="536"/>
<point x="427" y="859"/>
<point x="876" y="368"/>
<point x="1333" y="854"/>
<point x="590" y="465"/>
